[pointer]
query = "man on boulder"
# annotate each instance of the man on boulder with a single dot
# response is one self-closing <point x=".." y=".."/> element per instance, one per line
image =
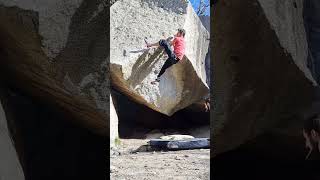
<point x="174" y="56"/>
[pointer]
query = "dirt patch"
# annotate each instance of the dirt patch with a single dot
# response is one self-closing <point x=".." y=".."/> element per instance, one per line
<point x="174" y="165"/>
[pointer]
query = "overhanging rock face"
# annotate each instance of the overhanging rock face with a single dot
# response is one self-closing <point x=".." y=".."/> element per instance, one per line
<point x="57" y="51"/>
<point x="133" y="67"/>
<point x="285" y="18"/>
<point x="261" y="77"/>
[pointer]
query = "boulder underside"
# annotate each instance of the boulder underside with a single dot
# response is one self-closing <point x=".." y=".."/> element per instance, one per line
<point x="62" y="62"/>
<point x="261" y="80"/>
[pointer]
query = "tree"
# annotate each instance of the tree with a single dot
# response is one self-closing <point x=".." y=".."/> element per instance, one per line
<point x="202" y="7"/>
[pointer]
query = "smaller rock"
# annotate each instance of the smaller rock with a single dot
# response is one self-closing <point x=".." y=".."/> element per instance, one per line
<point x="113" y="169"/>
<point x="114" y="152"/>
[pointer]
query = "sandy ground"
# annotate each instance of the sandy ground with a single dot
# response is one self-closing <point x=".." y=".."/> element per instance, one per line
<point x="126" y="164"/>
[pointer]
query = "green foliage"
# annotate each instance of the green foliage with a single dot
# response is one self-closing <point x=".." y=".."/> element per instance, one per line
<point x="117" y="141"/>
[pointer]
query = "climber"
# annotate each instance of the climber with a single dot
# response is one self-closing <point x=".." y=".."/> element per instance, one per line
<point x="175" y="56"/>
<point x="311" y="133"/>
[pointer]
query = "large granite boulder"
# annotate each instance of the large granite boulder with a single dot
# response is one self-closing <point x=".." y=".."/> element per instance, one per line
<point x="261" y="78"/>
<point x="206" y="23"/>
<point x="10" y="167"/>
<point x="57" y="52"/>
<point x="133" y="66"/>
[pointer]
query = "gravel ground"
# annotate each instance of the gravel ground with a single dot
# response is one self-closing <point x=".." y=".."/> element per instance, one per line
<point x="172" y="165"/>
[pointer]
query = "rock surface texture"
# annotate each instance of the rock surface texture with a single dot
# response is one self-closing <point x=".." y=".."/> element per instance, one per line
<point x="261" y="77"/>
<point x="57" y="52"/>
<point x="10" y="167"/>
<point x="133" y="66"/>
<point x="206" y="22"/>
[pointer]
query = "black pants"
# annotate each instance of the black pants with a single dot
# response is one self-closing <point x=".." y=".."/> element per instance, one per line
<point x="172" y="57"/>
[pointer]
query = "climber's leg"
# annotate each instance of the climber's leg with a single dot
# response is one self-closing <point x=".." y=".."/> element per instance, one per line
<point x="166" y="65"/>
<point x="169" y="62"/>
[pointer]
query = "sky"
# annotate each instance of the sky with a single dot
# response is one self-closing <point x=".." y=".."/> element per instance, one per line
<point x="195" y="4"/>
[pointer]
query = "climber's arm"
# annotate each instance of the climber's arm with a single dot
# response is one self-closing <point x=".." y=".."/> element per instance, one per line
<point x="172" y="42"/>
<point x="157" y="44"/>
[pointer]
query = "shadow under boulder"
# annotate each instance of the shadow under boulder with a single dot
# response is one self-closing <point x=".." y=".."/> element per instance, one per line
<point x="50" y="146"/>
<point x="137" y="121"/>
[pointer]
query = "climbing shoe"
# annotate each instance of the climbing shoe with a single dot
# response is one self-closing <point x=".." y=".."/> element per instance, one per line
<point x="156" y="81"/>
